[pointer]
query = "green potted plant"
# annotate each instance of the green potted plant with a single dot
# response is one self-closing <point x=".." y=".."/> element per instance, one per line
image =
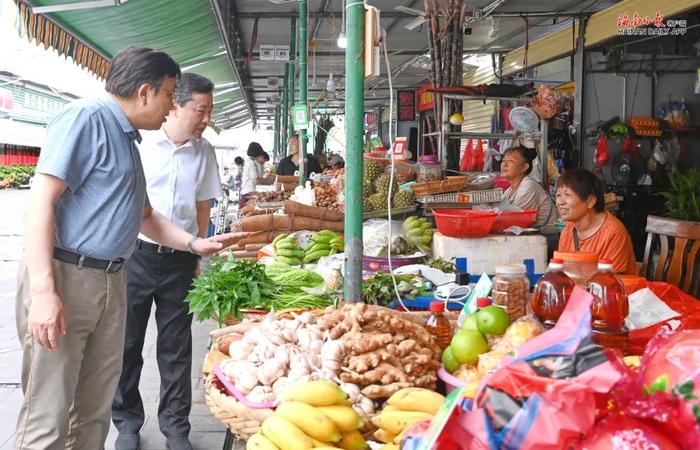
<point x="683" y="199"/>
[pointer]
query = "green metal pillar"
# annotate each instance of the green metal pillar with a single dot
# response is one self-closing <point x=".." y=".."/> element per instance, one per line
<point x="354" y="112"/>
<point x="276" y="144"/>
<point x="291" y="94"/>
<point x="303" y="82"/>
<point x="284" y="113"/>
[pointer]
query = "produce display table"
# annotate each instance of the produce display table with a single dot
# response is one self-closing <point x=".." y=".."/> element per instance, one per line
<point x="485" y="253"/>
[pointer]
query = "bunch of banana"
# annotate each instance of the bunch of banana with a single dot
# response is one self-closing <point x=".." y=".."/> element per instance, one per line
<point x="403" y="409"/>
<point x="418" y="232"/>
<point x="315" y="414"/>
<point x="324" y="243"/>
<point x="287" y="251"/>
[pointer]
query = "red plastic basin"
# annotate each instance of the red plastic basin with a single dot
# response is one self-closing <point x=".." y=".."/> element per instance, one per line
<point x="522" y="219"/>
<point x="464" y="222"/>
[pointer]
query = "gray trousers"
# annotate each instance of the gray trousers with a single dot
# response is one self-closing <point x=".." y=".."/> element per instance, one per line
<point x="68" y="391"/>
<point x="162" y="279"/>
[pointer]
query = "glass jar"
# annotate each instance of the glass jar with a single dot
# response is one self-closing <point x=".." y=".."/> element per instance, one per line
<point x="578" y="266"/>
<point x="511" y="289"/>
<point x="428" y="169"/>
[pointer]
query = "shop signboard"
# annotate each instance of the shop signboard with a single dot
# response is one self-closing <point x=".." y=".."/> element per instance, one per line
<point x="300" y="116"/>
<point x="267" y="52"/>
<point x="407" y="105"/>
<point x="282" y="53"/>
<point x="426" y="100"/>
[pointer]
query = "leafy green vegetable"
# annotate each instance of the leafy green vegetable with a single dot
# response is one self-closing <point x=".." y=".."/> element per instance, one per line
<point x="683" y="199"/>
<point x="379" y="288"/>
<point x="442" y="265"/>
<point x="226" y="287"/>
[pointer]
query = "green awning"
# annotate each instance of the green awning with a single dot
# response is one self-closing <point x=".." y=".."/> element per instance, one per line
<point x="185" y="29"/>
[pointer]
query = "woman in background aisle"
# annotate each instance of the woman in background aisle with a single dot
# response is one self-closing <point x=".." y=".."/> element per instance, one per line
<point x="252" y="172"/>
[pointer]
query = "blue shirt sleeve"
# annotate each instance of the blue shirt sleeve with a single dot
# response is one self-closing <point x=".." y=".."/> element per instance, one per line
<point x="71" y="148"/>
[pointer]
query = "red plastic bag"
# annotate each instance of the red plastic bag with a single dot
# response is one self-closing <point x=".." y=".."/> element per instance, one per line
<point x="688" y="309"/>
<point x="473" y="157"/>
<point x="665" y="391"/>
<point x="602" y="155"/>
<point x="619" y="432"/>
<point x="467" y="157"/>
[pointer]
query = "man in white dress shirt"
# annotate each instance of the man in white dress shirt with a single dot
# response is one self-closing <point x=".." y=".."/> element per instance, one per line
<point x="181" y="177"/>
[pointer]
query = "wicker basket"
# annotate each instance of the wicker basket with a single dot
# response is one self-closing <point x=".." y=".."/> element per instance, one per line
<point x="239" y="418"/>
<point x="470" y="197"/>
<point x="452" y="184"/>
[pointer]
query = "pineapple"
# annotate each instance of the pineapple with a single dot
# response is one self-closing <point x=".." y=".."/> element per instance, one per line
<point x="403" y="199"/>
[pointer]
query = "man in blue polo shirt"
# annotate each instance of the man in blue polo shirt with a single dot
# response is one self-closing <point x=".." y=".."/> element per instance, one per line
<point x="88" y="203"/>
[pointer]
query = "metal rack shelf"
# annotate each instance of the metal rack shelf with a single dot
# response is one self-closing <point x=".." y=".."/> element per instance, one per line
<point x="444" y="135"/>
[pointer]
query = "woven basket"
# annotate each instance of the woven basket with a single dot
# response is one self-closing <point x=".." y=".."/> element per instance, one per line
<point x="240" y="419"/>
<point x="440" y="187"/>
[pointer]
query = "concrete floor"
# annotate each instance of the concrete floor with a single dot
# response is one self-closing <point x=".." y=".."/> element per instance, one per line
<point x="207" y="432"/>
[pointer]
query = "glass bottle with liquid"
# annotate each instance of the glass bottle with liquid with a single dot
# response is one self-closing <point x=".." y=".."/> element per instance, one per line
<point x="438" y="325"/>
<point x="609" y="308"/>
<point x="551" y="293"/>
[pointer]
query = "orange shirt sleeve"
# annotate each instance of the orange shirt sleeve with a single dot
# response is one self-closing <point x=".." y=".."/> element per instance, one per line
<point x="611" y="242"/>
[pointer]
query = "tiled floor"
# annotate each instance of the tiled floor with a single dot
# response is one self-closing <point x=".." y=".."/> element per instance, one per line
<point x="207" y="432"/>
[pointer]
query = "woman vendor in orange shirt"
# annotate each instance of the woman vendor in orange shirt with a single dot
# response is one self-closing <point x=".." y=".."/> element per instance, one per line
<point x="590" y="228"/>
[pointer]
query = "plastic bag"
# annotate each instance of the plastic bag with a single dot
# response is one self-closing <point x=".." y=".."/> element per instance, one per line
<point x="619" y="432"/>
<point x="688" y="308"/>
<point x="305" y="195"/>
<point x="545" y="102"/>
<point x="375" y="235"/>
<point x="545" y="396"/>
<point x="467" y="157"/>
<point x="602" y="155"/>
<point x="666" y="389"/>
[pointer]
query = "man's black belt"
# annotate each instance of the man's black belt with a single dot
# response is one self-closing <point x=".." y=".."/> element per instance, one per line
<point x="79" y="260"/>
<point x="156" y="248"/>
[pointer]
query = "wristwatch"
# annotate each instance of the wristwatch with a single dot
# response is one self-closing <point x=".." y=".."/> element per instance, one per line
<point x="190" y="242"/>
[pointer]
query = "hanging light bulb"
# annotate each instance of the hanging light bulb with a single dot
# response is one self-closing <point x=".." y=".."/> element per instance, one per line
<point x="342" y="38"/>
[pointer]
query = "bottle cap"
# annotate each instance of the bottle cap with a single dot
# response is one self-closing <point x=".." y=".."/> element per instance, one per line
<point x="483" y="302"/>
<point x="437" y="306"/>
<point x="605" y="264"/>
<point x="556" y="261"/>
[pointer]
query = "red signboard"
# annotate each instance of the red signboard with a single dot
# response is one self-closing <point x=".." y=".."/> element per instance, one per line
<point x="426" y="100"/>
<point x="407" y="105"/>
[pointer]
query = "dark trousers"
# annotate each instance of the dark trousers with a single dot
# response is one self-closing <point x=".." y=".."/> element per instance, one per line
<point x="163" y="279"/>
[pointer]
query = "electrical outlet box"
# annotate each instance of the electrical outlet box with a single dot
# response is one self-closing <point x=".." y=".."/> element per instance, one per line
<point x="373" y="34"/>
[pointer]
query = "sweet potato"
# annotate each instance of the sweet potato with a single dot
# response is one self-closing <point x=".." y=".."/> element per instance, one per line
<point x="277" y="222"/>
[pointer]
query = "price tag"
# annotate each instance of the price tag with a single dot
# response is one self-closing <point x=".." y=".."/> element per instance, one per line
<point x="400" y="146"/>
